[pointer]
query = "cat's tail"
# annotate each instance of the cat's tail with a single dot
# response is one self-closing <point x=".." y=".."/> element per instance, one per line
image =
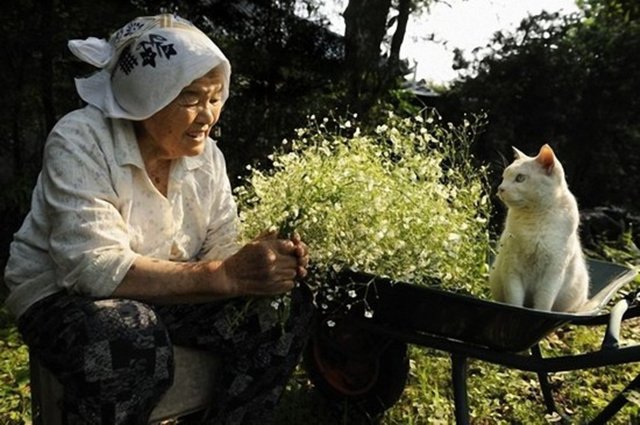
<point x="604" y="295"/>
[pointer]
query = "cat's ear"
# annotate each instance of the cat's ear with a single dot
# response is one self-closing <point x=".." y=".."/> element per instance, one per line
<point x="517" y="154"/>
<point x="546" y="158"/>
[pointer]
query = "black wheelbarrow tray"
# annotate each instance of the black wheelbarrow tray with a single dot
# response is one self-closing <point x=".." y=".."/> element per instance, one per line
<point x="364" y="359"/>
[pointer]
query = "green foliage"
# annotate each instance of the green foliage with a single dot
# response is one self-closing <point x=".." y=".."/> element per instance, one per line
<point x="402" y="200"/>
<point x="571" y="82"/>
<point x="15" y="396"/>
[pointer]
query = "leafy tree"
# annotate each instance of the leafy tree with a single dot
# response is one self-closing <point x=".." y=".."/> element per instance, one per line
<point x="570" y="81"/>
<point x="370" y="74"/>
<point x="38" y="72"/>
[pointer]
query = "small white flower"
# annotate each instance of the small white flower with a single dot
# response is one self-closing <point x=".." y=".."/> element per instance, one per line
<point x="454" y="237"/>
<point x="381" y="128"/>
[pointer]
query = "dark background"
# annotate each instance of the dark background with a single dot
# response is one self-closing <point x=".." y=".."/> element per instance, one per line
<point x="572" y="82"/>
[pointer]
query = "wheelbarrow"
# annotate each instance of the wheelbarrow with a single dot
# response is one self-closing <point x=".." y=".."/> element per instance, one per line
<point x="364" y="359"/>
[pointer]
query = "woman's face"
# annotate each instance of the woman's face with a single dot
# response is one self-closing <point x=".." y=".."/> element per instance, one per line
<point x="181" y="128"/>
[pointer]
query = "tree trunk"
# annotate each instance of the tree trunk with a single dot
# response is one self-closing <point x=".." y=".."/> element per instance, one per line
<point x="17" y="142"/>
<point x="404" y="10"/>
<point x="365" y="27"/>
<point x="46" y="75"/>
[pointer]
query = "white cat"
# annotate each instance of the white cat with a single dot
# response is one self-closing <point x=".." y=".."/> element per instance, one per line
<point x="539" y="263"/>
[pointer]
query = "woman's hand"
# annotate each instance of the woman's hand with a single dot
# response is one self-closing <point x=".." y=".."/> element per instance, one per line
<point x="267" y="265"/>
<point x="302" y="253"/>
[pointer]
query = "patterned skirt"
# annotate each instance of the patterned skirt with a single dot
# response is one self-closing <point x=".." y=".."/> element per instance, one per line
<point x="114" y="357"/>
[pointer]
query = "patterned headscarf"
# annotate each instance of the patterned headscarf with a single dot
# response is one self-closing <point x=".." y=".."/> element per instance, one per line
<point x="145" y="65"/>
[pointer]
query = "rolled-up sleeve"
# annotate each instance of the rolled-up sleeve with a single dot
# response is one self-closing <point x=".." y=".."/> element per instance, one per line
<point x="88" y="241"/>
<point x="222" y="233"/>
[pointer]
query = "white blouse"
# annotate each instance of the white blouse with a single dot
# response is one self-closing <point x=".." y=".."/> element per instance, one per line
<point x="94" y="210"/>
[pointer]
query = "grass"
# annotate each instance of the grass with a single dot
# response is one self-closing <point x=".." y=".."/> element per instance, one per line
<point x="15" y="396"/>
<point x="497" y="395"/>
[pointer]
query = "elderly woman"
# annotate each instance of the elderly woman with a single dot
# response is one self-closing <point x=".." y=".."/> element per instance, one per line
<point x="130" y="245"/>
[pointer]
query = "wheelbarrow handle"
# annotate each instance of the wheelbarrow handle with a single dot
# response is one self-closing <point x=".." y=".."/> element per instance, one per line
<point x="633" y="297"/>
<point x="611" y="338"/>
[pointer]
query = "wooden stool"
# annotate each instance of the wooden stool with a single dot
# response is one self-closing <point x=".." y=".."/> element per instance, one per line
<point x="192" y="389"/>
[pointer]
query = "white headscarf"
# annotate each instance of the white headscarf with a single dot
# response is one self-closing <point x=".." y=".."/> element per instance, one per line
<point x="145" y="65"/>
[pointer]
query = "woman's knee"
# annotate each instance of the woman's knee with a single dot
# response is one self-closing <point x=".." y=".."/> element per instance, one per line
<point x="108" y="345"/>
<point x="127" y="334"/>
<point x="126" y="320"/>
<point x="103" y="352"/>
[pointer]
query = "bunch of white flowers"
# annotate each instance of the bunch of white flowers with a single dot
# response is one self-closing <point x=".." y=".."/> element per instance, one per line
<point x="403" y="200"/>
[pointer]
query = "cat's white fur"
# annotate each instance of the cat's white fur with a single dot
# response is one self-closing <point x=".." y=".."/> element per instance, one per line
<point x="539" y="263"/>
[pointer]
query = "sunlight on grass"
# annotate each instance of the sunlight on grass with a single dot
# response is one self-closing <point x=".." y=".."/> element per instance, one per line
<point x="15" y="396"/>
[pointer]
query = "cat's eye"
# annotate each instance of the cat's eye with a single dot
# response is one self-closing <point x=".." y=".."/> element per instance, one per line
<point x="520" y="178"/>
